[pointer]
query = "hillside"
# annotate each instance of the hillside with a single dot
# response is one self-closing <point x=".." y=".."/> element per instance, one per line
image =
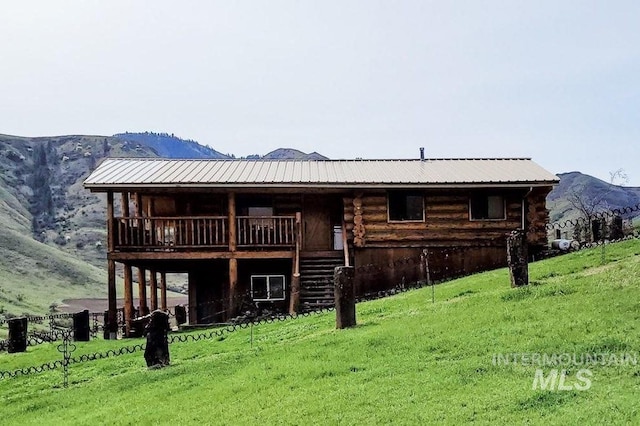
<point x="171" y="146"/>
<point x="589" y="188"/>
<point x="292" y="154"/>
<point x="409" y="361"/>
<point x="53" y="230"/>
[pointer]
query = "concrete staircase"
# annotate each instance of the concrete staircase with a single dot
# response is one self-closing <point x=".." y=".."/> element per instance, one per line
<point x="316" y="282"/>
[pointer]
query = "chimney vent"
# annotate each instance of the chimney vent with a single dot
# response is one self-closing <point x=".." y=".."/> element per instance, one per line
<point x="421" y="153"/>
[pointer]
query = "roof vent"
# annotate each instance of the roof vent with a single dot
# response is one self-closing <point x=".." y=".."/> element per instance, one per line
<point x="421" y="153"/>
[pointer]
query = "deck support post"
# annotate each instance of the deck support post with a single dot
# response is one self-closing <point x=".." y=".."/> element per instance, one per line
<point x="153" y="288"/>
<point x="142" y="292"/>
<point x="294" y="299"/>
<point x="163" y="291"/>
<point x="233" y="288"/>
<point x="111" y="327"/>
<point x="128" y="297"/>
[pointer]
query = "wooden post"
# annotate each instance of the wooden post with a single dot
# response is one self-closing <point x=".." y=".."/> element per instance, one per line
<point x="112" y="317"/>
<point x="233" y="288"/>
<point x="345" y="296"/>
<point x="156" y="352"/>
<point x="345" y="244"/>
<point x="163" y="291"/>
<point x="81" y="330"/>
<point x="17" y="335"/>
<point x="142" y="292"/>
<point x="153" y="288"/>
<point x="294" y="299"/>
<point x="517" y="258"/>
<point x="193" y="298"/>
<point x="110" y="236"/>
<point x="233" y="231"/>
<point x="124" y="204"/>
<point x="128" y="297"/>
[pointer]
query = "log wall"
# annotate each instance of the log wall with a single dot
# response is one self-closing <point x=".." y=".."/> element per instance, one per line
<point x="387" y="253"/>
<point x="446" y="222"/>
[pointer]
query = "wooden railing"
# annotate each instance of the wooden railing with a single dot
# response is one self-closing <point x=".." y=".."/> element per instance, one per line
<point x="202" y="232"/>
<point x="266" y="231"/>
<point x="166" y="232"/>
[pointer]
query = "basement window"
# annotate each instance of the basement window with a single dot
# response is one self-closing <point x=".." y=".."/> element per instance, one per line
<point x="405" y="206"/>
<point x="267" y="287"/>
<point x="487" y="207"/>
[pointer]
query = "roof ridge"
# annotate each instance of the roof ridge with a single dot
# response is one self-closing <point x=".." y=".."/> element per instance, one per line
<point x="328" y="160"/>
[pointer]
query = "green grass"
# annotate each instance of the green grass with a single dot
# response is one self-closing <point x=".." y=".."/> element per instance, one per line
<point x="409" y="361"/>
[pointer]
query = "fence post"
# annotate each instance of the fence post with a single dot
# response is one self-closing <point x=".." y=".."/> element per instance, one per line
<point x="181" y="314"/>
<point x="345" y="296"/>
<point x="17" y="335"/>
<point x="156" y="353"/>
<point x="81" y="331"/>
<point x="517" y="258"/>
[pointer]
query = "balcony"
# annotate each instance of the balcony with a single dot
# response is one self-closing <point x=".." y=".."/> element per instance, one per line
<point x="202" y="232"/>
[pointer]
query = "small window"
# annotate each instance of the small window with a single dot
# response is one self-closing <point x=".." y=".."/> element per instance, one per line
<point x="267" y="287"/>
<point x="487" y="207"/>
<point x="406" y="206"/>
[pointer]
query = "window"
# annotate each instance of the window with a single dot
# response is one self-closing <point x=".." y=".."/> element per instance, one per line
<point x="405" y="206"/>
<point x="487" y="207"/>
<point x="267" y="287"/>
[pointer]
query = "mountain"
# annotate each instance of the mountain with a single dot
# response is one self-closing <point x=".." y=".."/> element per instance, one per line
<point x="602" y="195"/>
<point x="170" y="146"/>
<point x="292" y="154"/>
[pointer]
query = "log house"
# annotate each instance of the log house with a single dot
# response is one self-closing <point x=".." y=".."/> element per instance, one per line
<point x="268" y="233"/>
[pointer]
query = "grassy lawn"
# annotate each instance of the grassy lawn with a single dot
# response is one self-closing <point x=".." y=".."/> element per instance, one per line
<point x="409" y="361"/>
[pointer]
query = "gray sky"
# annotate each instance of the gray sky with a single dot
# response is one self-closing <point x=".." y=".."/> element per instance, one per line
<point x="558" y="81"/>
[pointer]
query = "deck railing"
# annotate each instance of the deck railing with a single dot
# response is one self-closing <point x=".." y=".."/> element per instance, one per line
<point x="202" y="232"/>
<point x="266" y="231"/>
<point x="166" y="232"/>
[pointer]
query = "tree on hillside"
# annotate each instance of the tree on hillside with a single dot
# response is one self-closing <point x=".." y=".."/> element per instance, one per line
<point x="590" y="205"/>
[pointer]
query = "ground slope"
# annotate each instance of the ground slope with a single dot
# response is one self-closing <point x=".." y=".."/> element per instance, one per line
<point x="409" y="361"/>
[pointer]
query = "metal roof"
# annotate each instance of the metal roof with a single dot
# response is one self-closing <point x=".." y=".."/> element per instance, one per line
<point x="114" y="173"/>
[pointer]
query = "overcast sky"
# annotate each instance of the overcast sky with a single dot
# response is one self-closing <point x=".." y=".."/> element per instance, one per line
<point x="558" y="81"/>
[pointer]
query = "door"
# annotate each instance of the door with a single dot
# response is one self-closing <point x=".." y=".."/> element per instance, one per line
<point x="317" y="223"/>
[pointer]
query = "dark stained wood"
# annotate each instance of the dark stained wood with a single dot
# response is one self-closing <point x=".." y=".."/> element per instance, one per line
<point x="153" y="288"/>
<point x="142" y="291"/>
<point x="112" y="323"/>
<point x="156" y="352"/>
<point x="81" y="329"/>
<point x="124" y="204"/>
<point x="233" y="289"/>
<point x="294" y="296"/>
<point x="345" y="297"/>
<point x="17" y="341"/>
<point x="517" y="258"/>
<point x="317" y="223"/>
<point x="163" y="291"/>
<point x="128" y="297"/>
<point x="110" y="223"/>
<point x="201" y="255"/>
<point x="233" y="235"/>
